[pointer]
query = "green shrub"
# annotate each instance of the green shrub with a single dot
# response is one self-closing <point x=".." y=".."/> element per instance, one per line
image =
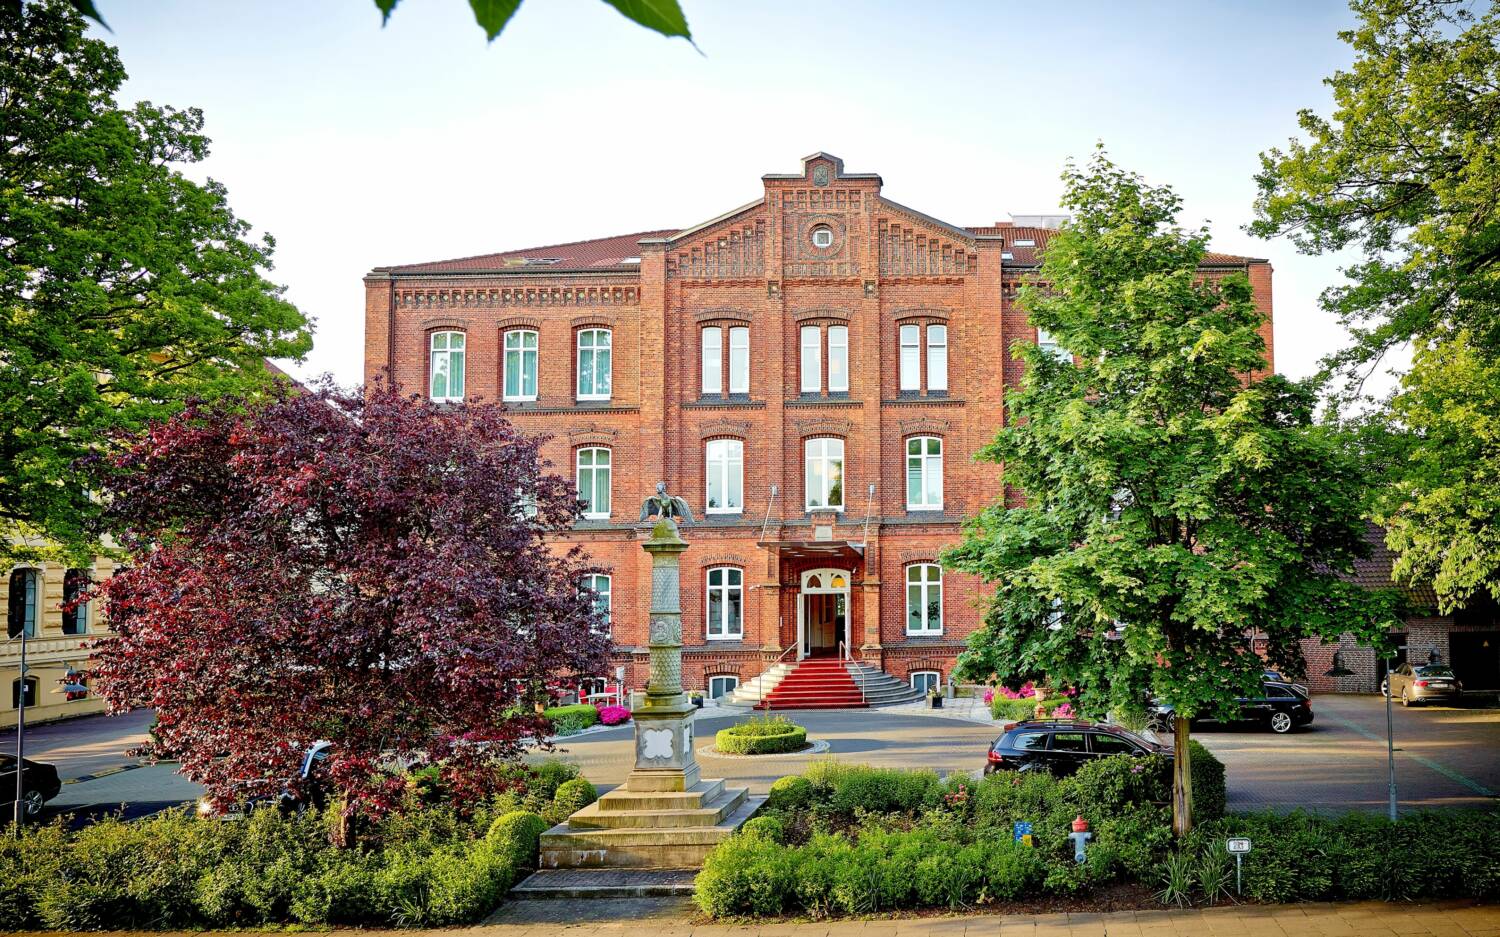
<point x="517" y="836"/>
<point x="770" y="736"/>
<point x="1019" y="710"/>
<point x="790" y="793"/>
<point x="1210" y="797"/>
<point x="574" y="795"/>
<point x="884" y="790"/>
<point x="770" y="828"/>
<point x="1012" y="870"/>
<point x="575" y="718"/>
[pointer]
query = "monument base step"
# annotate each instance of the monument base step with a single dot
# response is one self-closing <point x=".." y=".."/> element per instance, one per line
<point x="700" y="795"/>
<point x="682" y="847"/>
<point x="606" y="883"/>
<point x="607" y="816"/>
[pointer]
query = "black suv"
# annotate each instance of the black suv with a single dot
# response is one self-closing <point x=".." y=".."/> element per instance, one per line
<point x="1062" y="746"/>
<point x="1280" y="707"/>
<point x="39" y="784"/>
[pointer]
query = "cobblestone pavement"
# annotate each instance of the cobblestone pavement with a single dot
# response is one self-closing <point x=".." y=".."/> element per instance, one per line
<point x="675" y="918"/>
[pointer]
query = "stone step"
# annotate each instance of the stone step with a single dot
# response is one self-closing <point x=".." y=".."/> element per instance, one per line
<point x="605" y="883"/>
<point x="699" y="795"/>
<point x="713" y="813"/>
<point x="676" y="848"/>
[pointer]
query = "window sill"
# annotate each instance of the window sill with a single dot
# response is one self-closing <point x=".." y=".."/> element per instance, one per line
<point x="730" y="637"/>
<point x="924" y="634"/>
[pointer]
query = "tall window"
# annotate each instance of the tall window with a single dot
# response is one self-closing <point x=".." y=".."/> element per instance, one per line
<point x="726" y="603"/>
<point x="824" y="481"/>
<point x="838" y="359"/>
<point x="713" y="360"/>
<point x="600" y="583"/>
<point x="75" y="620"/>
<point x="593" y="364"/>
<point x="15" y="693"/>
<point x="22" y="608"/>
<point x="446" y="365"/>
<point x="520" y="365"/>
<point x="726" y="477"/>
<point x="937" y="358"/>
<point x="924" y="599"/>
<point x="924" y="473"/>
<point x="593" y="482"/>
<point x="1048" y="344"/>
<point x="739" y="360"/>
<point x="911" y="357"/>
<point x="812" y="359"/>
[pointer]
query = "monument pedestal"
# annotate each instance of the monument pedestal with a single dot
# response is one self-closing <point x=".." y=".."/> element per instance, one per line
<point x="664" y="816"/>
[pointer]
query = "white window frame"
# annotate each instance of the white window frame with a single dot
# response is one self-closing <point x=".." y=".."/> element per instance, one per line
<point x="937" y="357"/>
<point x="928" y="466"/>
<point x="595" y="350"/>
<point x="925" y="590"/>
<point x="818" y="234"/>
<point x="909" y="338"/>
<point x="935" y="683"/>
<point x="1049" y="345"/>
<point x="728" y="468"/>
<point x="811" y="344"/>
<point x="721" y="679"/>
<point x="711" y="348"/>
<point x="448" y="355"/>
<point x="819" y="451"/>
<point x="521" y="352"/>
<point x="594" y="468"/>
<point x="739" y="359"/>
<point x="604" y="599"/>
<point x="838" y="359"/>
<point x="726" y="590"/>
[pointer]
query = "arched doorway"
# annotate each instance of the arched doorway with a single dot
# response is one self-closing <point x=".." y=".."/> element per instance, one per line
<point x="822" y="612"/>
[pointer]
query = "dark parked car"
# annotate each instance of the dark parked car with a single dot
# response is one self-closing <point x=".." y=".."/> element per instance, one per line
<point x="39" y="784"/>
<point x="1423" y="683"/>
<point x="1062" y="746"/>
<point x="1281" y="707"/>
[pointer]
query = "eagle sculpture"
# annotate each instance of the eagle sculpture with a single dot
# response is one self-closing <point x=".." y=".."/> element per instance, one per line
<point x="665" y="506"/>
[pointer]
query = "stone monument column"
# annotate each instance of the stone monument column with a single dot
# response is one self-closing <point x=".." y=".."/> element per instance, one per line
<point x="663" y="723"/>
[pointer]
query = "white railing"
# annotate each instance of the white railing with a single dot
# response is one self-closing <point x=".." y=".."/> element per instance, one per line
<point x="847" y="654"/>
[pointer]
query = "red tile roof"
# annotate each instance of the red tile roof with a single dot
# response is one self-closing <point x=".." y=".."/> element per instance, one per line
<point x="575" y="255"/>
<point x="1024" y="256"/>
<point x="1374" y="572"/>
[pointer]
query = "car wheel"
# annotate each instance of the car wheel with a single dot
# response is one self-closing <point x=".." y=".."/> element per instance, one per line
<point x="33" y="802"/>
<point x="1281" y="723"/>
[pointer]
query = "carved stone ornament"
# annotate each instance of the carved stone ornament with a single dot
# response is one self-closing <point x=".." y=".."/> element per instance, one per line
<point x="821" y="175"/>
<point x="656" y="743"/>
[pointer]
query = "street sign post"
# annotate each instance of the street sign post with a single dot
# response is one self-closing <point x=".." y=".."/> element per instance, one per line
<point x="1237" y="847"/>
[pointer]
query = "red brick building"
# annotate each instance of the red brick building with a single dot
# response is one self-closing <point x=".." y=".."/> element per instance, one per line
<point x="812" y="371"/>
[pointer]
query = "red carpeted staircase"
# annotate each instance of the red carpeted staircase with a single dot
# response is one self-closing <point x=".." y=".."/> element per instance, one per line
<point x="816" y="683"/>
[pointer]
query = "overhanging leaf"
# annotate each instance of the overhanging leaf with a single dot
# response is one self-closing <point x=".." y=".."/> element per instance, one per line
<point x="386" y="7"/>
<point x="664" y="16"/>
<point x="87" y="8"/>
<point x="494" y="14"/>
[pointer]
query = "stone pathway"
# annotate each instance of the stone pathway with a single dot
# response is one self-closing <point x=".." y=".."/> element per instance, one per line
<point x="675" y="918"/>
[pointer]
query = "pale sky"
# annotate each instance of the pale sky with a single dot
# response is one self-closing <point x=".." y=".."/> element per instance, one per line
<point x="358" y="146"/>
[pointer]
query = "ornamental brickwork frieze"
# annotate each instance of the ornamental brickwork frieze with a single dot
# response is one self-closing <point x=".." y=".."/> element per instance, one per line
<point x="499" y="297"/>
<point x="735" y="252"/>
<point x="926" y="425"/>
<point x="736" y="428"/>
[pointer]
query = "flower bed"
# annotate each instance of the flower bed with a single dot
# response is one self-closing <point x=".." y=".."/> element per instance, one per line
<point x="769" y="736"/>
<point x="613" y="715"/>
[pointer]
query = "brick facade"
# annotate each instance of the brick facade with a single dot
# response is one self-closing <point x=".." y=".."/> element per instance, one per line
<point x="822" y="253"/>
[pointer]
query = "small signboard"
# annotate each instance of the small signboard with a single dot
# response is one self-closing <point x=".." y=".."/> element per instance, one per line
<point x="1023" y="832"/>
<point x="1237" y="847"/>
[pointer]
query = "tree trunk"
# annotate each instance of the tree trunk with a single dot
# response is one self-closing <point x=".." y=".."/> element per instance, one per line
<point x="1182" y="779"/>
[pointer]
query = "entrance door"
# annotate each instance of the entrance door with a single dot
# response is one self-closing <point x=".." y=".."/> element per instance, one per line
<point x="823" y="612"/>
<point x="1475" y="658"/>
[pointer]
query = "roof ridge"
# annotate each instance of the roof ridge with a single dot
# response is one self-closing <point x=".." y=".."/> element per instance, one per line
<point x="535" y="250"/>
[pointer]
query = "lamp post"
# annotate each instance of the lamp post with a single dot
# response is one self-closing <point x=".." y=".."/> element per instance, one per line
<point x="20" y="812"/>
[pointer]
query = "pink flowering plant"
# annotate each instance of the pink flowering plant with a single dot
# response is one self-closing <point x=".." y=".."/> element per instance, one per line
<point x="613" y="715"/>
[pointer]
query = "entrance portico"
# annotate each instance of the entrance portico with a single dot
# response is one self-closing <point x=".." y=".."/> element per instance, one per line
<point x="823" y="613"/>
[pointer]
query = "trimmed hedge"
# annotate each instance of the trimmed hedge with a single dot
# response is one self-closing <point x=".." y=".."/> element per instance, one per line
<point x="771" y="736"/>
<point x="575" y="718"/>
<point x="1016" y="710"/>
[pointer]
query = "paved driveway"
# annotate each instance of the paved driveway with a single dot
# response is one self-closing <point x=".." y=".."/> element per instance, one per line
<point x="1445" y="758"/>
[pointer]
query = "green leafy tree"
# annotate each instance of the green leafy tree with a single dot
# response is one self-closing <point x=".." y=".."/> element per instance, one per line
<point x="1173" y="509"/>
<point x="1406" y="172"/>
<point x="125" y="288"/>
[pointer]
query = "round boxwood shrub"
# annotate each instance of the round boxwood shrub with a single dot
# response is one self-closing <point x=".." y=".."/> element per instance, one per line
<point x="761" y="737"/>
<point x="790" y="793"/>
<point x="517" y="837"/>
<point x="574" y="795"/>
<point x="768" y="828"/>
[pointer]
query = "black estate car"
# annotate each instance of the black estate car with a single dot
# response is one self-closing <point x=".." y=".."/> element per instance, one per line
<point x="39" y="784"/>
<point x="1280" y="707"/>
<point x="1062" y="746"/>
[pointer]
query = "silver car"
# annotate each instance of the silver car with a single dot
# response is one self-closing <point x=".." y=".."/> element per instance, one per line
<point x="1423" y="683"/>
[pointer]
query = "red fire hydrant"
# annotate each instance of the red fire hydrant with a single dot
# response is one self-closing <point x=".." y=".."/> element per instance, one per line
<point x="1080" y="836"/>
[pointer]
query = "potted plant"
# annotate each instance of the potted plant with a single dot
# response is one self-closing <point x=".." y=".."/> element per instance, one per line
<point x="935" y="698"/>
<point x="697" y="698"/>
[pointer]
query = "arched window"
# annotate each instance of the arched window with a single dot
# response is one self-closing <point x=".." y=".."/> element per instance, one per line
<point x="21" y="611"/>
<point x="725" y="607"/>
<point x="823" y="486"/>
<point x="600" y="584"/>
<point x="593" y="481"/>
<point x="594" y="368"/>
<point x="722" y="685"/>
<point x="520" y="365"/>
<point x="15" y="693"/>
<point x="926" y="680"/>
<point x="924" y="473"/>
<point x="924" y="599"/>
<point x="725" y="477"/>
<point x="446" y="367"/>
<point x="75" y="620"/>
